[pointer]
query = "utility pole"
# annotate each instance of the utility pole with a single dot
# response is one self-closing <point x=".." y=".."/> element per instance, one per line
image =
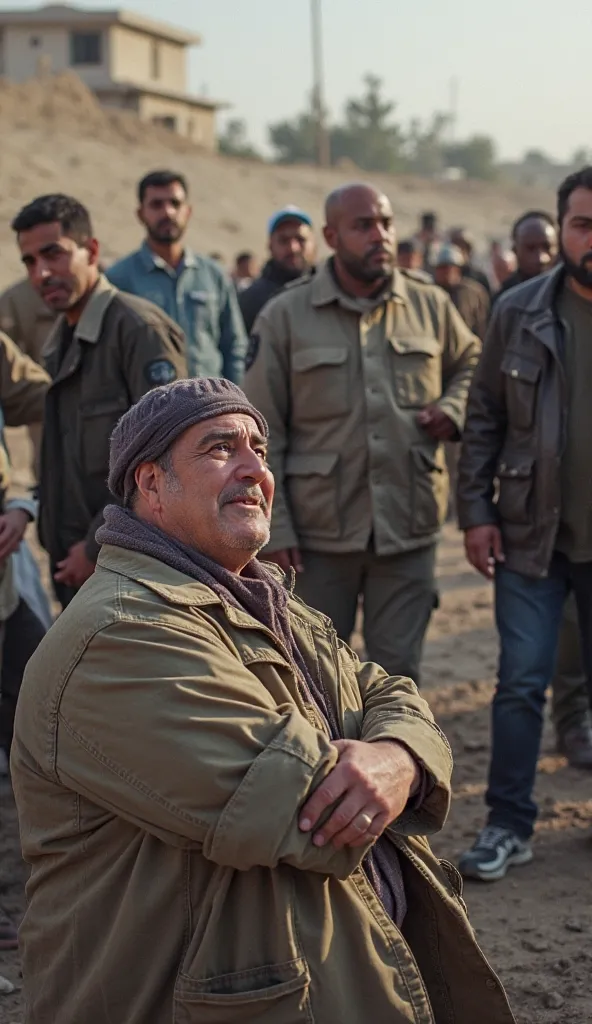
<point x="318" y="86"/>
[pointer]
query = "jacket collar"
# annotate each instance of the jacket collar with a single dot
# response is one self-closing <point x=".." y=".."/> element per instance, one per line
<point x="540" y="304"/>
<point x="90" y="325"/>
<point x="151" y="261"/>
<point x="326" y="290"/>
<point x="176" y="588"/>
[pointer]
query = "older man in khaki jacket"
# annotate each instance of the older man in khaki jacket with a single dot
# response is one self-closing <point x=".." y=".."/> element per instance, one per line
<point x="362" y="371"/>
<point x="223" y="809"/>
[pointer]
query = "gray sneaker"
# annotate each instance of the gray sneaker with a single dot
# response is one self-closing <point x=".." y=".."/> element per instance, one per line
<point x="493" y="852"/>
<point x="576" y="745"/>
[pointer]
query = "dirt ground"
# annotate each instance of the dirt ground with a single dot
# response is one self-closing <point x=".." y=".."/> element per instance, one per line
<point x="536" y="925"/>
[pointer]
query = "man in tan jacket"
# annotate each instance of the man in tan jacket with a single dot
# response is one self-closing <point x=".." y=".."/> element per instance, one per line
<point x="223" y="810"/>
<point x="106" y="350"/>
<point x="362" y="372"/>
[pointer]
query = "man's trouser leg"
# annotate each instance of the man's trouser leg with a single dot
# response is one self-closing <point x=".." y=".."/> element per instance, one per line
<point x="581" y="581"/>
<point x="332" y="584"/>
<point x="569" y="687"/>
<point x="399" y="597"/>
<point x="528" y="615"/>
<point x="23" y="632"/>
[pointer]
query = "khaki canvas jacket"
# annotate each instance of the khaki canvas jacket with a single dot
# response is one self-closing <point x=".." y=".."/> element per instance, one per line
<point x="123" y="346"/>
<point x="162" y="753"/>
<point x="25" y="318"/>
<point x="341" y="382"/>
<point x="514" y="429"/>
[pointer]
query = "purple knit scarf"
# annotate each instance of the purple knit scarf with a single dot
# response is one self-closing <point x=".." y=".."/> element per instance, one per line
<point x="257" y="592"/>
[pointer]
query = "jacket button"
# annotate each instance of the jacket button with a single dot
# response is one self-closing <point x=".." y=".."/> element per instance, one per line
<point x="513" y="472"/>
<point x="490" y="983"/>
<point x="514" y="373"/>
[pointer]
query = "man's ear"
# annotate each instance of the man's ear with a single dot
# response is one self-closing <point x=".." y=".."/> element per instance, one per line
<point x="147" y="478"/>
<point x="93" y="252"/>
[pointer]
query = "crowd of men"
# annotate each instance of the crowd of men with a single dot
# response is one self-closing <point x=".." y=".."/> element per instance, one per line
<point x="365" y="378"/>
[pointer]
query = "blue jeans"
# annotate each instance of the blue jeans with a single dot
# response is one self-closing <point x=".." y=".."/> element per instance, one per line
<point x="528" y="615"/>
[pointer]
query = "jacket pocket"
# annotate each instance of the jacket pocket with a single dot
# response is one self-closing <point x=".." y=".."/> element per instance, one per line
<point x="320" y="384"/>
<point x="429" y="490"/>
<point x="312" y="488"/>
<point x="417" y="371"/>
<point x="97" y="421"/>
<point x="515" y="476"/>
<point x="277" y="994"/>
<point x="521" y="378"/>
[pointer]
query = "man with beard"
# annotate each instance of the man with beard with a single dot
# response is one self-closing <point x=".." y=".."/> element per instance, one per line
<point x="362" y="371"/>
<point x="535" y="245"/>
<point x="193" y="290"/>
<point x="292" y="254"/>
<point x="105" y="351"/>
<point x="529" y="425"/>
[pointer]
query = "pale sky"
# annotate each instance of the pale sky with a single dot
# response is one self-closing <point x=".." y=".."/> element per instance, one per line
<point x="523" y="66"/>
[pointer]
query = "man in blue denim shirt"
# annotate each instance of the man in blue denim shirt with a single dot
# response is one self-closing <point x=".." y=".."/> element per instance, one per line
<point x="193" y="290"/>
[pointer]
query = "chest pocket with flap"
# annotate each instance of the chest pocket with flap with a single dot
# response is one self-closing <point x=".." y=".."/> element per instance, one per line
<point x="320" y="383"/>
<point x="521" y="377"/>
<point x="97" y="420"/>
<point x="417" y="371"/>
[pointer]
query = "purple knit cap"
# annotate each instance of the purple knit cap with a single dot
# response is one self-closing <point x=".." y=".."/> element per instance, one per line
<point x="146" y="430"/>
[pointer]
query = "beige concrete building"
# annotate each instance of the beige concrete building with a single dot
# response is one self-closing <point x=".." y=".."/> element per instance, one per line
<point x="129" y="61"/>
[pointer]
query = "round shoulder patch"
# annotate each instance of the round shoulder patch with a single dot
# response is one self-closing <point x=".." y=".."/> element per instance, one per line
<point x="160" y="371"/>
<point x="252" y="351"/>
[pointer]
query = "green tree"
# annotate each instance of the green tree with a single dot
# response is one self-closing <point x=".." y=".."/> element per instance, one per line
<point x="476" y="156"/>
<point x="294" y="142"/>
<point x="368" y="135"/>
<point x="424" y="145"/>
<point x="234" y="141"/>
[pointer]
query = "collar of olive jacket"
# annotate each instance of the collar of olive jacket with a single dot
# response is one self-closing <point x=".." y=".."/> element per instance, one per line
<point x="326" y="290"/>
<point x="90" y="325"/>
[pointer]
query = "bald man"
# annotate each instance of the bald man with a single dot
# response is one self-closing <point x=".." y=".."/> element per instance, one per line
<point x="535" y="244"/>
<point x="362" y="372"/>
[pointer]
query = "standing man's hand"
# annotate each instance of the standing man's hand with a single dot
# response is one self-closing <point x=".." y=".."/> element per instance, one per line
<point x="437" y="424"/>
<point x="12" y="530"/>
<point x="77" y="568"/>
<point x="483" y="547"/>
<point x="371" y="784"/>
<point x="287" y="559"/>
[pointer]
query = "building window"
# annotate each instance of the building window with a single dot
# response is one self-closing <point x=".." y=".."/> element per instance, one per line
<point x="165" y="121"/>
<point x="85" y="48"/>
<point x="155" y="59"/>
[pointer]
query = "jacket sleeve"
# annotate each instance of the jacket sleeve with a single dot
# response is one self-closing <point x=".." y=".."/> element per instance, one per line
<point x="249" y="306"/>
<point x="152" y="353"/>
<point x="23" y="386"/>
<point x="394" y="710"/>
<point x="267" y="385"/>
<point x="484" y="432"/>
<point x="9" y="321"/>
<point x="233" y="338"/>
<point x="193" y="748"/>
<point x="460" y="354"/>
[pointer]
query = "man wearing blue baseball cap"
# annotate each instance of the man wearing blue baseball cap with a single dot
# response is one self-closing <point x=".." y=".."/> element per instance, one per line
<point x="292" y="249"/>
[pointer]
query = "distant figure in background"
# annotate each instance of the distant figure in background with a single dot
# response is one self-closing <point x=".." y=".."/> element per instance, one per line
<point x="536" y="245"/>
<point x="427" y="236"/>
<point x="465" y="242"/>
<point x="245" y="270"/>
<point x="191" y="289"/>
<point x="292" y="254"/>
<point x="217" y="257"/>
<point x="409" y="257"/>
<point x="502" y="263"/>
<point x="469" y="297"/>
<point x="26" y="319"/>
